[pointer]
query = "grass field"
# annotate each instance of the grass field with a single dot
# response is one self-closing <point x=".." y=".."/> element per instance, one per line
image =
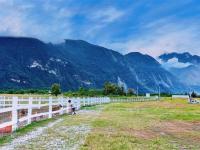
<point x="146" y="125"/>
<point x="164" y="125"/>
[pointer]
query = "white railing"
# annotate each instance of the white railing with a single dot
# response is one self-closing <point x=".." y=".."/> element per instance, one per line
<point x="135" y="99"/>
<point x="180" y="96"/>
<point x="37" y="108"/>
<point x="21" y="111"/>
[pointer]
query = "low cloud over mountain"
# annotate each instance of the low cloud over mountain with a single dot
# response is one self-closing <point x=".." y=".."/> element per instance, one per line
<point x="184" y="66"/>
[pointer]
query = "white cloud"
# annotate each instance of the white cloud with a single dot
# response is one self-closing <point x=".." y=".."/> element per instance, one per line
<point x="107" y="15"/>
<point x="6" y="2"/>
<point x="161" y="37"/>
<point x="18" y="20"/>
<point x="63" y="12"/>
<point x="174" y="63"/>
<point x="55" y="21"/>
<point x="100" y="19"/>
<point x="11" y="25"/>
<point x="12" y="18"/>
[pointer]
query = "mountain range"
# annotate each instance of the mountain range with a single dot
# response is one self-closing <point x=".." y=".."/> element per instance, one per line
<point x="31" y="63"/>
<point x="184" y="66"/>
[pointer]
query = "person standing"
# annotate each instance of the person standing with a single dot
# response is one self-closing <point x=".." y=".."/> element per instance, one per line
<point x="71" y="108"/>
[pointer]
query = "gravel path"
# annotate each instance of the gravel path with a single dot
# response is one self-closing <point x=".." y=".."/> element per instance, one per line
<point x="57" y="135"/>
<point x="28" y="137"/>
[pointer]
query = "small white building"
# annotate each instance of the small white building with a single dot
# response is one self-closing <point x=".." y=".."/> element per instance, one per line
<point x="148" y="95"/>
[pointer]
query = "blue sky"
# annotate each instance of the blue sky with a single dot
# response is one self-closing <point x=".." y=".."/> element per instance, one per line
<point x="148" y="26"/>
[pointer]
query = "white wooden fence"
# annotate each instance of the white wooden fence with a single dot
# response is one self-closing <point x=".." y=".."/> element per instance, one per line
<point x="180" y="96"/>
<point x="38" y="108"/>
<point x="136" y="99"/>
<point x="16" y="112"/>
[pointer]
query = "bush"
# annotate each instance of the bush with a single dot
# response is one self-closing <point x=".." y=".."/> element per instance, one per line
<point x="55" y="89"/>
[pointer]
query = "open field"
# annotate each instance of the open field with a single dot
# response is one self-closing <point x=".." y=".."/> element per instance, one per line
<point x="167" y="124"/>
<point x="150" y="125"/>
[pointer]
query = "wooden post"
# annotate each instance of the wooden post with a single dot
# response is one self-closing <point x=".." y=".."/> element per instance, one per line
<point x="39" y="102"/>
<point x="50" y="107"/>
<point x="75" y="103"/>
<point x="14" y="113"/>
<point x="30" y="109"/>
<point x="84" y="102"/>
<point x="90" y="101"/>
<point x="79" y="103"/>
<point x="68" y="107"/>
<point x="60" y="100"/>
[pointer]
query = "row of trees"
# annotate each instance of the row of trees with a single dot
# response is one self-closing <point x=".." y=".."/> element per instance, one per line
<point x="108" y="89"/>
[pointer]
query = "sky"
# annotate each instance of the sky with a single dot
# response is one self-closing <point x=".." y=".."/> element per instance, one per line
<point x="148" y="26"/>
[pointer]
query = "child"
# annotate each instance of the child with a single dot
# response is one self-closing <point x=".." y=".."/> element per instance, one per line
<point x="71" y="108"/>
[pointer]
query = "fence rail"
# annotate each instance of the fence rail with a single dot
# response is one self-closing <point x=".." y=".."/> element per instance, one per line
<point x="136" y="99"/>
<point x="180" y="96"/>
<point x="16" y="112"/>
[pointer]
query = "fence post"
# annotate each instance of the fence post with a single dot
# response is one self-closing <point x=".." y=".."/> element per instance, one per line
<point x="39" y="102"/>
<point x="30" y="109"/>
<point x="83" y="101"/>
<point x="68" y="105"/>
<point x="79" y="103"/>
<point x="90" y="101"/>
<point x="75" y="103"/>
<point x="60" y="101"/>
<point x="50" y="107"/>
<point x="14" y="113"/>
<point x="87" y="101"/>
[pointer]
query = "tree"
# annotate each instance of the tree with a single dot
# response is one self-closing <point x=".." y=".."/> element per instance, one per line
<point x="120" y="90"/>
<point x="109" y="88"/>
<point x="130" y="92"/>
<point x="194" y="95"/>
<point x="113" y="89"/>
<point x="55" y="89"/>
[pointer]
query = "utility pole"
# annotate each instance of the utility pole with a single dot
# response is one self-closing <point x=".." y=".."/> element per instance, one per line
<point x="137" y="91"/>
<point x="159" y="91"/>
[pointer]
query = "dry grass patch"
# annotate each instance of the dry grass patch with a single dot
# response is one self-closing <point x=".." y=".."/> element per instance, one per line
<point x="174" y="127"/>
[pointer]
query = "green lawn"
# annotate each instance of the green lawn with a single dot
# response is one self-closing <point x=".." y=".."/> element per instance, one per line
<point x="169" y="124"/>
